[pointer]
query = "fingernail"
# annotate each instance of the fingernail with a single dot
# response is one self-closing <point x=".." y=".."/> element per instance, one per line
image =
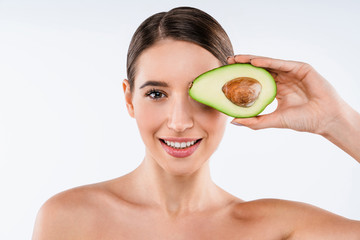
<point x="237" y="124"/>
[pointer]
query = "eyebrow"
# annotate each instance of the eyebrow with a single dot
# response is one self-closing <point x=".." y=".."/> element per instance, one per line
<point x="154" y="83"/>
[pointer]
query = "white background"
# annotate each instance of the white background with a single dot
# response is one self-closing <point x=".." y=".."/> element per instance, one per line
<point x="63" y="121"/>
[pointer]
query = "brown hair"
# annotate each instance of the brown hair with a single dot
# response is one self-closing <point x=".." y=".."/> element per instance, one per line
<point x="182" y="23"/>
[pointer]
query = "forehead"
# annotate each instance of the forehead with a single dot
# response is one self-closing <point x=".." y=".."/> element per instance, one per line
<point x="174" y="61"/>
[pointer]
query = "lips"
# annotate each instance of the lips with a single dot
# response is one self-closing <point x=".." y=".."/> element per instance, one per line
<point x="180" y="148"/>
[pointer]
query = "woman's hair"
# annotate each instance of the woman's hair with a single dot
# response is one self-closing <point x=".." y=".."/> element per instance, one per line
<point x="182" y="23"/>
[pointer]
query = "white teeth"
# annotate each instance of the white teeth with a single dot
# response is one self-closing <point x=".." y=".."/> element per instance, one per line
<point x="179" y="144"/>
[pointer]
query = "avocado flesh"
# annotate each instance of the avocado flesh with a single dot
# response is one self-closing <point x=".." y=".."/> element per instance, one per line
<point x="207" y="89"/>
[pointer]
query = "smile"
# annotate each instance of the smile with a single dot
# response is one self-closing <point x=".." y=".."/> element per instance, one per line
<point x="180" y="148"/>
<point x="180" y="145"/>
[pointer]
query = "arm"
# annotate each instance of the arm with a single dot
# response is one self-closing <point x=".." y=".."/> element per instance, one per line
<point x="52" y="222"/>
<point x="66" y="215"/>
<point x="344" y="132"/>
<point x="306" y="102"/>
<point x="314" y="223"/>
<point x="290" y="220"/>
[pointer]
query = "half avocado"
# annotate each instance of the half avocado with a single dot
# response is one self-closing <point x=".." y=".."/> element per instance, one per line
<point x="240" y="90"/>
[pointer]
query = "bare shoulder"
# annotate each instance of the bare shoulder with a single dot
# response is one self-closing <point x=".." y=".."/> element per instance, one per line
<point x="76" y="213"/>
<point x="298" y="220"/>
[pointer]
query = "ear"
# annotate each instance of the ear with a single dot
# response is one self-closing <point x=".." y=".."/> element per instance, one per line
<point x="128" y="97"/>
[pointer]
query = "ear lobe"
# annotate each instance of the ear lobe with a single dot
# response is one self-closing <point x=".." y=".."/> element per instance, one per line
<point x="128" y="97"/>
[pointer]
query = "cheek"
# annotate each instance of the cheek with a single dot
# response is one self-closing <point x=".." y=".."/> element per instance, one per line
<point x="213" y="121"/>
<point x="148" y="117"/>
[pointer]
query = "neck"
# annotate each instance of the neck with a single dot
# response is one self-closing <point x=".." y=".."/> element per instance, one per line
<point x="177" y="194"/>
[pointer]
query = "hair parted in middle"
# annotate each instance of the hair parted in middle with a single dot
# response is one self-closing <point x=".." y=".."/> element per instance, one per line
<point x="182" y="23"/>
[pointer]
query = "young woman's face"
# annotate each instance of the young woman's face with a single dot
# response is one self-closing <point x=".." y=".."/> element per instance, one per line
<point x="180" y="134"/>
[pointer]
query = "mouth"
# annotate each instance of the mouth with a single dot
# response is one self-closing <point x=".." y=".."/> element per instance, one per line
<point x="180" y="144"/>
<point x="180" y="148"/>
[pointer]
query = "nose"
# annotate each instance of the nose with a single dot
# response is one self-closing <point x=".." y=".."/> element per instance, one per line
<point x="180" y="117"/>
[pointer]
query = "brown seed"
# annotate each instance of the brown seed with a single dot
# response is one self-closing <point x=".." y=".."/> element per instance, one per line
<point x="242" y="91"/>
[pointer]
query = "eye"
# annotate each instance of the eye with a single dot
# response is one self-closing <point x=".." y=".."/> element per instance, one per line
<point x="155" y="94"/>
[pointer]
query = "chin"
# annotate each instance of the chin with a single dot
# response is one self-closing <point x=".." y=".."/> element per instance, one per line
<point x="181" y="168"/>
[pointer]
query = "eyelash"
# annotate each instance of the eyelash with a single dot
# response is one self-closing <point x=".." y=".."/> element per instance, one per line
<point x="156" y="92"/>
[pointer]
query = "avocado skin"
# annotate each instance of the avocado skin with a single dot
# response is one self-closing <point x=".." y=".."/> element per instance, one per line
<point x="206" y="89"/>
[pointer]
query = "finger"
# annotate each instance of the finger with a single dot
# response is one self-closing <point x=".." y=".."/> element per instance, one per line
<point x="273" y="74"/>
<point x="259" y="122"/>
<point x="273" y="64"/>
<point x="244" y="58"/>
<point x="231" y="60"/>
<point x="268" y="63"/>
<point x="241" y="58"/>
<point x="247" y="59"/>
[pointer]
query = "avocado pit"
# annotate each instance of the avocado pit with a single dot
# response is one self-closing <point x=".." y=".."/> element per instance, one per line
<point x="242" y="91"/>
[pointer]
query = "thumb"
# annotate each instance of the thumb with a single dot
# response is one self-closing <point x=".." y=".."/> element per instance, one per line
<point x="259" y="122"/>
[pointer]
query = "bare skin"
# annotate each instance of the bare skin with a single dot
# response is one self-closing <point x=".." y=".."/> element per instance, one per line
<point x="111" y="210"/>
<point x="171" y="198"/>
<point x="304" y="92"/>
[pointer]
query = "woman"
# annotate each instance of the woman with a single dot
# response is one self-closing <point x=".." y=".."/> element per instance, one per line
<point x="171" y="194"/>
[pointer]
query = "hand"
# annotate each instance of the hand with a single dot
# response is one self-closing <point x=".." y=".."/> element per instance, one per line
<point x="306" y="101"/>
